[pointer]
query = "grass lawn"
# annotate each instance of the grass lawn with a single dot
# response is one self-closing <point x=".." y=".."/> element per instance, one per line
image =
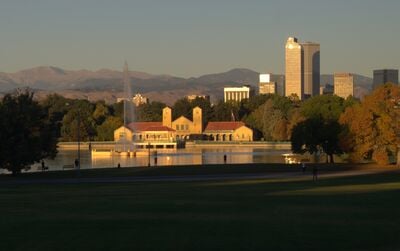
<point x="348" y="213"/>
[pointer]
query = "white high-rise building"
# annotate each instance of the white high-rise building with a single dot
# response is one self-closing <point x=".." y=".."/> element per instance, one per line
<point x="237" y="93"/>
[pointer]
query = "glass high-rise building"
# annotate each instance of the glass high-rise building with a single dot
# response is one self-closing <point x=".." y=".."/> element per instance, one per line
<point x="311" y="68"/>
<point x="385" y="76"/>
<point x="294" y="77"/>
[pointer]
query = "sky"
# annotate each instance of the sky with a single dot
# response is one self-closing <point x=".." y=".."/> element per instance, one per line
<point x="189" y="38"/>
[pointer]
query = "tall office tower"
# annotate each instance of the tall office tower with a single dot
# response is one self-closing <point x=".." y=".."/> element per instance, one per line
<point x="294" y="76"/>
<point x="384" y="76"/>
<point x="311" y="68"/>
<point x="343" y="85"/>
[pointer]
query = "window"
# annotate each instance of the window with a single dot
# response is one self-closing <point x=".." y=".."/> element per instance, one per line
<point x="177" y="127"/>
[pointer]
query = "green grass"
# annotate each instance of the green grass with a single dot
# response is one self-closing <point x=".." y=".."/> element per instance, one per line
<point x="213" y="169"/>
<point x="352" y="213"/>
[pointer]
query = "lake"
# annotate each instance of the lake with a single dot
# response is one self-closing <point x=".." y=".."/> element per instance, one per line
<point x="167" y="157"/>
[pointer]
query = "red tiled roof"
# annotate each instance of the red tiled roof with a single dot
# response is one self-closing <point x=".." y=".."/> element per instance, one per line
<point x="142" y="126"/>
<point x="159" y="129"/>
<point x="224" y="126"/>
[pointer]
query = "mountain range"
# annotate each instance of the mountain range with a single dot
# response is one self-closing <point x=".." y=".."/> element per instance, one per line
<point x="107" y="84"/>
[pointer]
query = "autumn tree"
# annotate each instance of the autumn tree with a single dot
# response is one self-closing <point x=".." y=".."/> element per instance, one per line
<point x="372" y="127"/>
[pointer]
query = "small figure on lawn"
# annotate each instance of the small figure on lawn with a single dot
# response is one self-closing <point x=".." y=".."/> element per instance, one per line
<point x="315" y="173"/>
<point x="303" y="167"/>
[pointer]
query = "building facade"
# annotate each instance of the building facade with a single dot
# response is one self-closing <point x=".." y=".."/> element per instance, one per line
<point x="385" y="76"/>
<point x="228" y="131"/>
<point x="237" y="93"/>
<point x="311" y="68"/>
<point x="294" y="78"/>
<point x="266" y="86"/>
<point x="194" y="96"/>
<point x="139" y="99"/>
<point x="182" y="128"/>
<point x="343" y="85"/>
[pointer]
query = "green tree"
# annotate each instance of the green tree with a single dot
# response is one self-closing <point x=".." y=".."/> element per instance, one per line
<point x="28" y="134"/>
<point x="149" y="112"/>
<point x="321" y="129"/>
<point x="315" y="134"/>
<point x="272" y="118"/>
<point x="205" y="106"/>
<point x="182" y="107"/>
<point x="80" y="112"/>
<point x="56" y="106"/>
<point x="101" y="112"/>
<point x="226" y="111"/>
<point x="327" y="107"/>
<point x="105" y="132"/>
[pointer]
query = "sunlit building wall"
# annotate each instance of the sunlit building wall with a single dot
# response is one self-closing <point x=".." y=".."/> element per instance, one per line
<point x="343" y="85"/>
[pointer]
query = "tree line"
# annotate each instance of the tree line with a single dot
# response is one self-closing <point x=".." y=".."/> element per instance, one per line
<point x="367" y="129"/>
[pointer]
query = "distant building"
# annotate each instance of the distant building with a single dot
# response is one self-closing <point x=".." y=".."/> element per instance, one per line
<point x="326" y="90"/>
<point x="122" y="99"/>
<point x="237" y="93"/>
<point x="266" y="86"/>
<point x="228" y="131"/>
<point x="302" y="68"/>
<point x="138" y="99"/>
<point x="294" y="78"/>
<point x="343" y="85"/>
<point x="384" y="76"/>
<point x="194" y="96"/>
<point x="182" y="128"/>
<point x="311" y="68"/>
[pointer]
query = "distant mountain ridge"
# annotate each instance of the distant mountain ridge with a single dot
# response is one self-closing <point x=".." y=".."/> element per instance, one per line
<point x="107" y="84"/>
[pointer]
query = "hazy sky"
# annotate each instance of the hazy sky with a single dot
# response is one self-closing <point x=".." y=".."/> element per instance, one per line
<point x="190" y="38"/>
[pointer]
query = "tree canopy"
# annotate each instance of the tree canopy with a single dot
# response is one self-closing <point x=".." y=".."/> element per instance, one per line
<point x="28" y="133"/>
<point x="372" y="127"/>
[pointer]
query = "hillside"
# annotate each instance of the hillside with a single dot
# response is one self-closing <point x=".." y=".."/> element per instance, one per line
<point x="107" y="84"/>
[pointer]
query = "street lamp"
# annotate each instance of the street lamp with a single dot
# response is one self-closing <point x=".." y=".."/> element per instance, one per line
<point x="78" y="134"/>
<point x="79" y="144"/>
<point x="148" y="147"/>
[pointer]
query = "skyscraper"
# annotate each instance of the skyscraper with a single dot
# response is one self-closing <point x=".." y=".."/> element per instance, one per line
<point x="343" y="85"/>
<point x="311" y="68"/>
<point x="384" y="76"/>
<point x="294" y="76"/>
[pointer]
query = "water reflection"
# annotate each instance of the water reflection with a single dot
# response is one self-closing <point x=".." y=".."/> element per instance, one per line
<point x="168" y="157"/>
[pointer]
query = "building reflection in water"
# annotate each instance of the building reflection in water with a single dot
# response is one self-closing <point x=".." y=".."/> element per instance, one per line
<point x="171" y="157"/>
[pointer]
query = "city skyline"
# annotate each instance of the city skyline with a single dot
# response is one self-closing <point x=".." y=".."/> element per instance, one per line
<point x="190" y="39"/>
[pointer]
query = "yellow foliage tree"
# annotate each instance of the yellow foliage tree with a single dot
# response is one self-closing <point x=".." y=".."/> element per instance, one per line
<point x="372" y="127"/>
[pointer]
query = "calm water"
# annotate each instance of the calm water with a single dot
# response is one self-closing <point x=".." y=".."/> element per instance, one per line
<point x="166" y="157"/>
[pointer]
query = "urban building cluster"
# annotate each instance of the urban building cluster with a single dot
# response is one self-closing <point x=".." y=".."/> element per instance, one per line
<point x="302" y="76"/>
<point x="301" y="81"/>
